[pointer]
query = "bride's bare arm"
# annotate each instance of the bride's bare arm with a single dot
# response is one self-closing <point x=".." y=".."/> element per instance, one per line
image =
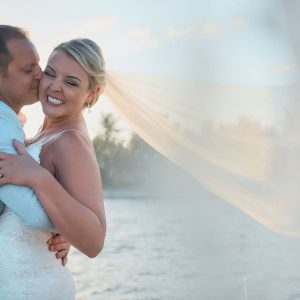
<point x="73" y="198"/>
<point x="75" y="204"/>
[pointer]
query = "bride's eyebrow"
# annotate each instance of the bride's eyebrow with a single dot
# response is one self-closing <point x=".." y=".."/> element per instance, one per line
<point x="73" y="77"/>
<point x="68" y="76"/>
<point x="48" y="67"/>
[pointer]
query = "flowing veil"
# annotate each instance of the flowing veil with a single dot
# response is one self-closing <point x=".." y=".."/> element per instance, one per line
<point x="240" y="141"/>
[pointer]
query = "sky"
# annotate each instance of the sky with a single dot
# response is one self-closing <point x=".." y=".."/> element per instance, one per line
<point x="224" y="41"/>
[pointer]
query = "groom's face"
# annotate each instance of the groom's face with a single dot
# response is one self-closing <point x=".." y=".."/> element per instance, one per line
<point x="19" y="86"/>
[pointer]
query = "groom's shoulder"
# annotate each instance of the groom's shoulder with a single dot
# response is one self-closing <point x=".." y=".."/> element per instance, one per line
<point x="10" y="126"/>
<point x="7" y="114"/>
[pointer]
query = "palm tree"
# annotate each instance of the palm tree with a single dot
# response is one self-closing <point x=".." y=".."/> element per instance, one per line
<point x="109" y="124"/>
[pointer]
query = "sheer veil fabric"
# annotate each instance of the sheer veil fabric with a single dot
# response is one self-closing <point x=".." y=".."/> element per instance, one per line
<point x="241" y="141"/>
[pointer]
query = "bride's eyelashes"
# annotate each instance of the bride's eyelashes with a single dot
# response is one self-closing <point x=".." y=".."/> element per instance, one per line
<point x="53" y="75"/>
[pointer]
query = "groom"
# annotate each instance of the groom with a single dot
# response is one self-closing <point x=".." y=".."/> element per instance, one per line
<point x="20" y="74"/>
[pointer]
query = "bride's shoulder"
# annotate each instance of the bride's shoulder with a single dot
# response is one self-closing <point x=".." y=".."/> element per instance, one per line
<point x="71" y="152"/>
<point x="68" y="143"/>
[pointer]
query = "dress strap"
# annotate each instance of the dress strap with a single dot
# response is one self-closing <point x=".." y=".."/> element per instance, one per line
<point x="55" y="136"/>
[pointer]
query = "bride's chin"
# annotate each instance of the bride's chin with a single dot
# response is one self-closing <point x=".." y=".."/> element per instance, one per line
<point x="51" y="113"/>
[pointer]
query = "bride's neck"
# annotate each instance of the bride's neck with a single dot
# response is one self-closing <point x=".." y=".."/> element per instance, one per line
<point x="61" y="124"/>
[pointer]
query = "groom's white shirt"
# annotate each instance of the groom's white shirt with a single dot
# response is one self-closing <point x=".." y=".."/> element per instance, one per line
<point x="20" y="199"/>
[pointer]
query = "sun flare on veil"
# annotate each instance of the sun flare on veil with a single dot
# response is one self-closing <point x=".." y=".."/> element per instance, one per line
<point x="238" y="136"/>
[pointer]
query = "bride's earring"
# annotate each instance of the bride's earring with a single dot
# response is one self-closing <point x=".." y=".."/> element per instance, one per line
<point x="89" y="108"/>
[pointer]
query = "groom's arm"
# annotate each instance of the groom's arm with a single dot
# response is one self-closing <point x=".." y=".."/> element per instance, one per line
<point x="23" y="202"/>
<point x="20" y="199"/>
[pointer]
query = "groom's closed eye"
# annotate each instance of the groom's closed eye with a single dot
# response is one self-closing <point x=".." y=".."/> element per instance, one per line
<point x="28" y="71"/>
<point x="28" y="68"/>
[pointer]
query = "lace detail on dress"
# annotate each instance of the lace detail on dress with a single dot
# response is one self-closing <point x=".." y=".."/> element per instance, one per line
<point x="28" y="270"/>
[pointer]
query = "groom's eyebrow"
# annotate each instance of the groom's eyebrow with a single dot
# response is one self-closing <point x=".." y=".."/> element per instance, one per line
<point x="29" y="65"/>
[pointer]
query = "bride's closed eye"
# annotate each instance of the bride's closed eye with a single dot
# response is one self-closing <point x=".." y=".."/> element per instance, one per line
<point x="48" y="73"/>
<point x="71" y="83"/>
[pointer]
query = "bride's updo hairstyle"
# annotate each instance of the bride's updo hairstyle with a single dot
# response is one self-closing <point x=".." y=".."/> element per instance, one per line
<point x="89" y="56"/>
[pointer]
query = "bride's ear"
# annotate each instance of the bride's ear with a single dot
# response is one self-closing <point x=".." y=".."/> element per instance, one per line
<point x="94" y="93"/>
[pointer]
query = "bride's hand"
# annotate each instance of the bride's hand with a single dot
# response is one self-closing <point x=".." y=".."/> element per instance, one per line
<point x="19" y="169"/>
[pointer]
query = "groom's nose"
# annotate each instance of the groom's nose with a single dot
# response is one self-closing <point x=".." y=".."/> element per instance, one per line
<point x="38" y="73"/>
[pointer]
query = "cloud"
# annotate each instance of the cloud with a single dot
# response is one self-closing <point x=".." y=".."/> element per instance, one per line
<point x="287" y="68"/>
<point x="143" y="37"/>
<point x="209" y="30"/>
<point x="115" y="37"/>
<point x="238" y="23"/>
<point x="97" y="25"/>
<point x="176" y="33"/>
<point x="205" y="30"/>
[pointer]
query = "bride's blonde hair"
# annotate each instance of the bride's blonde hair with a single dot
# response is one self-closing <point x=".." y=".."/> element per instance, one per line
<point x="89" y="56"/>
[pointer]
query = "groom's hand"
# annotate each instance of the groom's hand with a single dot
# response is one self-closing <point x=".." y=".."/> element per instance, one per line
<point x="19" y="169"/>
<point x="59" y="245"/>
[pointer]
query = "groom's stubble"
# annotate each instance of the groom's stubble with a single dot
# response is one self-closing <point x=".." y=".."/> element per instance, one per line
<point x="19" y="84"/>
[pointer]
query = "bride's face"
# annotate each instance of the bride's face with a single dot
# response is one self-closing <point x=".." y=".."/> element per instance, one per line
<point x="64" y="86"/>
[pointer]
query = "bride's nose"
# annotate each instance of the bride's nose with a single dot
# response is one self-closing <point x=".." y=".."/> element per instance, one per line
<point x="55" y="85"/>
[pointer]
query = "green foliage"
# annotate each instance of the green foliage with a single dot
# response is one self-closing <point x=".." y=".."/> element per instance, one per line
<point x="136" y="166"/>
<point x="123" y="165"/>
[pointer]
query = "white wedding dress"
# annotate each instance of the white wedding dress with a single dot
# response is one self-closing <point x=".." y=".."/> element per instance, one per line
<point x="28" y="270"/>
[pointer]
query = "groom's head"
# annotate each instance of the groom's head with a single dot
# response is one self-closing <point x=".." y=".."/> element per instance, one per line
<point x="19" y="68"/>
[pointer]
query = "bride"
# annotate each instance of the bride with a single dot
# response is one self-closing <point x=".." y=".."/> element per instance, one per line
<point x="68" y="182"/>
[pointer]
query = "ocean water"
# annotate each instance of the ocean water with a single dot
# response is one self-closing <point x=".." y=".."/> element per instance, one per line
<point x="183" y="248"/>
